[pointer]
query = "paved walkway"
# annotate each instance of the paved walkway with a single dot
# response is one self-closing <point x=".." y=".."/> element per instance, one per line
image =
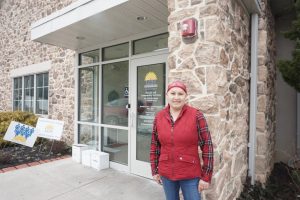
<point x="67" y="180"/>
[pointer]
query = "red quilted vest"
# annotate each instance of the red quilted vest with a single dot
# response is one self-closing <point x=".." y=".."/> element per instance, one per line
<point x="179" y="158"/>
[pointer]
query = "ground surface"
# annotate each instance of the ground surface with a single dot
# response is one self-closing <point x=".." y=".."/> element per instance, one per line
<point x="283" y="184"/>
<point x="18" y="154"/>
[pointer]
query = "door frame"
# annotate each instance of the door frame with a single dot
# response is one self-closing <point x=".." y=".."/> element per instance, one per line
<point x="131" y="56"/>
<point x="139" y="167"/>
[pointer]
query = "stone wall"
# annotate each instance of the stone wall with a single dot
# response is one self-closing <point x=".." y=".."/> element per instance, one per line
<point x="265" y="127"/>
<point x="215" y="67"/>
<point x="17" y="50"/>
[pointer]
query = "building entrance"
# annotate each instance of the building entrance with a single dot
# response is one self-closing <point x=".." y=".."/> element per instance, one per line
<point x="120" y="89"/>
<point x="148" y="97"/>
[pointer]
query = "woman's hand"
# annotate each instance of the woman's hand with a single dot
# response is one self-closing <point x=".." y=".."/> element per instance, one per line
<point x="156" y="177"/>
<point x="202" y="185"/>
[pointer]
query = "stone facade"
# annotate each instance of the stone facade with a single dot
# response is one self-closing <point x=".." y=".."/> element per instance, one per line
<point x="17" y="50"/>
<point x="265" y="127"/>
<point x="215" y="67"/>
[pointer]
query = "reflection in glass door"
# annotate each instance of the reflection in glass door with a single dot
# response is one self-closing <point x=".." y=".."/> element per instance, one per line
<point x="150" y="100"/>
<point x="149" y="92"/>
<point x="114" y="119"/>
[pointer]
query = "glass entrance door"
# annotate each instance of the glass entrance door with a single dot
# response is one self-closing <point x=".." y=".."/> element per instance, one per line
<point x="114" y="115"/>
<point x="148" y="85"/>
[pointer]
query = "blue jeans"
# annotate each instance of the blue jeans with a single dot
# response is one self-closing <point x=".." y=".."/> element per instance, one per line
<point x="189" y="189"/>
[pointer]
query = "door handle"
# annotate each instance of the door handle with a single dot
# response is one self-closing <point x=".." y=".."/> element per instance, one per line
<point x="132" y="118"/>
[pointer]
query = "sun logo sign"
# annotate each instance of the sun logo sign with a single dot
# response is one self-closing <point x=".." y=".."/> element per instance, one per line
<point x="151" y="81"/>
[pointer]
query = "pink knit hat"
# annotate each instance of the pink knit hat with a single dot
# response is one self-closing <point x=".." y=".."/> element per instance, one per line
<point x="177" y="84"/>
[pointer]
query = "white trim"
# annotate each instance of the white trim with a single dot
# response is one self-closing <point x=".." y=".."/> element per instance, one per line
<point x="61" y="12"/>
<point x="87" y="65"/>
<point x="31" y="69"/>
<point x="139" y="167"/>
<point x="100" y="99"/>
<point x="12" y="94"/>
<point x="34" y="93"/>
<point x="76" y="78"/>
<point x="154" y="53"/>
<point x="126" y="39"/>
<point x="253" y="97"/>
<point x="88" y="123"/>
<point x="23" y="90"/>
<point x="115" y="61"/>
<point x="71" y="14"/>
<point x="130" y="58"/>
<point x="119" y="167"/>
<point x="114" y="127"/>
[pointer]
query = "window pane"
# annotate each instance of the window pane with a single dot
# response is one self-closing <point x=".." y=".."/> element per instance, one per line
<point x="46" y="79"/>
<point x="150" y="99"/>
<point x="115" y="142"/>
<point x="17" y="94"/>
<point x="28" y="95"/>
<point x="16" y="85"/>
<point x="115" y="93"/>
<point x="28" y="106"/>
<point x="17" y="105"/>
<point x="115" y="52"/>
<point x="20" y="83"/>
<point x="32" y="92"/>
<point x="42" y="93"/>
<point x="150" y="44"/>
<point x="42" y="107"/>
<point x="88" y="135"/>
<point x="88" y="94"/>
<point x="39" y="107"/>
<point x="45" y="107"/>
<point x="45" y="93"/>
<point x="28" y="81"/>
<point x="39" y="80"/>
<point x="89" y="57"/>
<point x="39" y="93"/>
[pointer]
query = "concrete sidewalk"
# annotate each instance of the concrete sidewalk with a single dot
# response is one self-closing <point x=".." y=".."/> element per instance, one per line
<point x="67" y="180"/>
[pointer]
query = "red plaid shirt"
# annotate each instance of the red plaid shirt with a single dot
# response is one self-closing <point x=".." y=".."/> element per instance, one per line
<point x="205" y="143"/>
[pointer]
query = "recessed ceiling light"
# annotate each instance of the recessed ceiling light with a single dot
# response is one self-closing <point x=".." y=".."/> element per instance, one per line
<point x="141" y="18"/>
<point x="80" y="37"/>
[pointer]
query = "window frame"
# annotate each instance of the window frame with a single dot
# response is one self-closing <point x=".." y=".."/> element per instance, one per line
<point x="17" y="90"/>
<point x="43" y="87"/>
<point x="79" y="65"/>
<point x="34" y="110"/>
<point x="28" y="87"/>
<point x="22" y="72"/>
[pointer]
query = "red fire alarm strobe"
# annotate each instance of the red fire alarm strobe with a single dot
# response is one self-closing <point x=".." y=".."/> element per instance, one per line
<point x="189" y="28"/>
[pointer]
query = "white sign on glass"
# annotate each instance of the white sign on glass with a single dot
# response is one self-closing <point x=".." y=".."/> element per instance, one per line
<point x="49" y="128"/>
<point x="21" y="134"/>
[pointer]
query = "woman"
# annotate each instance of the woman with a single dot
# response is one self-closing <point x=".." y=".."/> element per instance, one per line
<point x="178" y="129"/>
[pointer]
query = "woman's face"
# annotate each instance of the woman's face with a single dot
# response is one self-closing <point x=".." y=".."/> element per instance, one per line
<point x="176" y="98"/>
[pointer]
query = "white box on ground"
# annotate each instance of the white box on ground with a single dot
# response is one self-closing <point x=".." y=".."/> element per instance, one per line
<point x="99" y="160"/>
<point x="77" y="150"/>
<point x="86" y="157"/>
